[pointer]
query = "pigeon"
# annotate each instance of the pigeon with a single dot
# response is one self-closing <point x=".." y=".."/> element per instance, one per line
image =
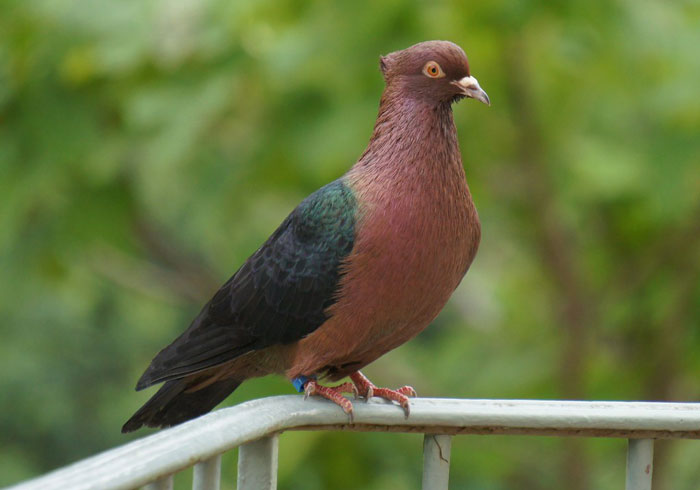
<point x="358" y="268"/>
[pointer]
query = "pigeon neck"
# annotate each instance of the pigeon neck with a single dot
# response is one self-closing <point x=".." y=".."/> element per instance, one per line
<point x="411" y="132"/>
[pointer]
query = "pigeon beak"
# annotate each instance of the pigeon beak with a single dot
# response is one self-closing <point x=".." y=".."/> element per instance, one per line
<point x="470" y="88"/>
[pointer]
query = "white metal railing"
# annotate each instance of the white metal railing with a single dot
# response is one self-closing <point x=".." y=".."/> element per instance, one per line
<point x="255" y="427"/>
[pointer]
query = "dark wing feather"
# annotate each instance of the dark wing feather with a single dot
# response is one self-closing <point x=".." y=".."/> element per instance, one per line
<point x="278" y="296"/>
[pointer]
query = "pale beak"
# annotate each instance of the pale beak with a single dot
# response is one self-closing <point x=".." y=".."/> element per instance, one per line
<point x="470" y="88"/>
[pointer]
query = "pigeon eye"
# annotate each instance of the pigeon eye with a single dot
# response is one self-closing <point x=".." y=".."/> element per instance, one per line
<point x="433" y="70"/>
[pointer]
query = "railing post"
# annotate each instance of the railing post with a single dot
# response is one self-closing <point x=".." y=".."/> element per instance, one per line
<point x="165" y="483"/>
<point x="207" y="474"/>
<point x="257" y="464"/>
<point x="436" y="461"/>
<point x="640" y="464"/>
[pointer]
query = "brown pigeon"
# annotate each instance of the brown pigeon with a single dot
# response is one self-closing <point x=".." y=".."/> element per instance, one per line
<point x="358" y="268"/>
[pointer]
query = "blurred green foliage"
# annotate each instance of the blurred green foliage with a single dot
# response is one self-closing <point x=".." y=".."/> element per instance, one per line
<point x="147" y="148"/>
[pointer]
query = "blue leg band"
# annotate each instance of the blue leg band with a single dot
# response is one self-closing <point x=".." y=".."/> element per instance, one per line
<point x="300" y="381"/>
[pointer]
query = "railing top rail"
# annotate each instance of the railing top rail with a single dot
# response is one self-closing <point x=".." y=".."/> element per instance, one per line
<point x="172" y="450"/>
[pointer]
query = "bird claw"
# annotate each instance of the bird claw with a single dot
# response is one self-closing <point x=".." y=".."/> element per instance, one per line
<point x="395" y="396"/>
<point x="408" y="391"/>
<point x="347" y="388"/>
<point x="369" y="390"/>
<point x="309" y="389"/>
<point x="406" y="408"/>
<point x="360" y="386"/>
<point x="332" y="393"/>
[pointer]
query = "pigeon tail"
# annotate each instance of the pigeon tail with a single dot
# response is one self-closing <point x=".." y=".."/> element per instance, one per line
<point x="173" y="404"/>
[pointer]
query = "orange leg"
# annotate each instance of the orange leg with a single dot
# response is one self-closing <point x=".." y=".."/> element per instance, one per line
<point x="332" y="393"/>
<point x="367" y="389"/>
<point x="360" y="386"/>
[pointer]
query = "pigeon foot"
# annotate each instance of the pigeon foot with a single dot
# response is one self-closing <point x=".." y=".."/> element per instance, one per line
<point x="332" y="393"/>
<point x="366" y="389"/>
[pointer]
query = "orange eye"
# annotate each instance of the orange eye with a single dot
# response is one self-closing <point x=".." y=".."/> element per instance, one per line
<point x="433" y="70"/>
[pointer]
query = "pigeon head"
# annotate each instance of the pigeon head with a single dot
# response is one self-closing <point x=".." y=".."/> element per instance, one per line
<point x="434" y="71"/>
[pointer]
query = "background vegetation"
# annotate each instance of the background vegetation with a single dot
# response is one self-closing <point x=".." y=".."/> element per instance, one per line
<point x="147" y="148"/>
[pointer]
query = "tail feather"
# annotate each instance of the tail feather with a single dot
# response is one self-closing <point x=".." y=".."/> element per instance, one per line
<point x="172" y="404"/>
